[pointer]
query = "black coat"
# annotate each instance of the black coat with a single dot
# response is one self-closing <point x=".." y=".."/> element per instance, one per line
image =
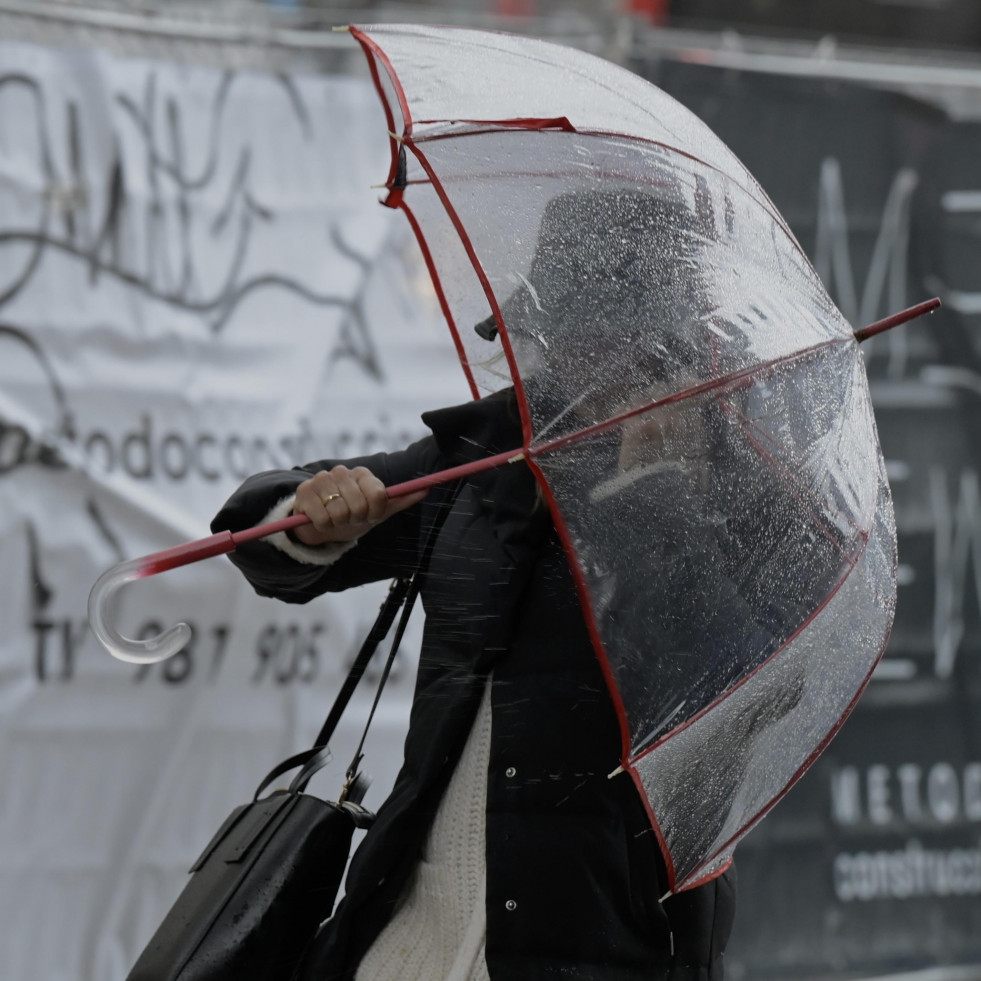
<point x="573" y="871"/>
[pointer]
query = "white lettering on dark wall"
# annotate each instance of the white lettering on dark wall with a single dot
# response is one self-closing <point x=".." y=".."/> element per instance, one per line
<point x="955" y="499"/>
<point x="954" y="519"/>
<point x="886" y="279"/>
<point x="957" y="548"/>
<point x="960" y="202"/>
<point x="907" y="873"/>
<point x="938" y="794"/>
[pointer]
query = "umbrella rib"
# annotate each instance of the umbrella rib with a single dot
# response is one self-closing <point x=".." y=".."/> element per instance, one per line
<point x="374" y="54"/>
<point x="733" y="379"/>
<point x="482" y="278"/>
<point x="441" y="297"/>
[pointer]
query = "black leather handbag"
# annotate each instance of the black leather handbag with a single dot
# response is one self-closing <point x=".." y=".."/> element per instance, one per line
<point x="257" y="894"/>
<point x="271" y="874"/>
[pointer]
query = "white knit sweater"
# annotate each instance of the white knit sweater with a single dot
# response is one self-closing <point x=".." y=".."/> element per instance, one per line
<point x="438" y="930"/>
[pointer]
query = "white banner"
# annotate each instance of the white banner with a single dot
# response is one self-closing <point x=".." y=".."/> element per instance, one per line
<point x="196" y="283"/>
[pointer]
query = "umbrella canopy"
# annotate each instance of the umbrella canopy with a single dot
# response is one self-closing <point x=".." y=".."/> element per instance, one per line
<point x="694" y="405"/>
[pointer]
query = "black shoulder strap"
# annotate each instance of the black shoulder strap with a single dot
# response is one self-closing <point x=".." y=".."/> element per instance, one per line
<point x="402" y="594"/>
<point x="398" y="591"/>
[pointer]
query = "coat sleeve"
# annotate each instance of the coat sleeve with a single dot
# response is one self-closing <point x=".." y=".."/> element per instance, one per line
<point x="389" y="549"/>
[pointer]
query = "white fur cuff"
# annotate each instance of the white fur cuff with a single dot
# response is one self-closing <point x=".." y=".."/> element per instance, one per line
<point x="326" y="554"/>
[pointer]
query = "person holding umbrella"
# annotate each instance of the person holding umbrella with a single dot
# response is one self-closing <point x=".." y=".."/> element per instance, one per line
<point x="505" y="849"/>
<point x="691" y="575"/>
<point x="503" y="839"/>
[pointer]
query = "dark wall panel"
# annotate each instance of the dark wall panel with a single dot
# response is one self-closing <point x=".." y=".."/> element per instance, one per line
<point x="872" y="864"/>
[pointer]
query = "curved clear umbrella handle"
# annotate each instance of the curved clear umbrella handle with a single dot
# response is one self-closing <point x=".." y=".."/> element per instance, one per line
<point x="147" y="651"/>
<point x="152" y="649"/>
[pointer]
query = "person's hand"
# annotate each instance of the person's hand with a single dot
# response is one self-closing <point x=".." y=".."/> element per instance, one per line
<point x="672" y="432"/>
<point x="343" y="504"/>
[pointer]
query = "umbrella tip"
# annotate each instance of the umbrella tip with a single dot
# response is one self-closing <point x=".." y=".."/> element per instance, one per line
<point x="910" y="313"/>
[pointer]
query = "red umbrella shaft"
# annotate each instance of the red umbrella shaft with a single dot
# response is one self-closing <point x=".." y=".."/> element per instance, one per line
<point x="227" y="541"/>
<point x="927" y="306"/>
<point x="395" y="490"/>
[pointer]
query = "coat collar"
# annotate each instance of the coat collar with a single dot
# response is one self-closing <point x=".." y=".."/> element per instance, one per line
<point x="477" y="429"/>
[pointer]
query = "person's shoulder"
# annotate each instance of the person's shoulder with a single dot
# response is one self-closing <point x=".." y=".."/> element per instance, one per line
<point x="478" y="427"/>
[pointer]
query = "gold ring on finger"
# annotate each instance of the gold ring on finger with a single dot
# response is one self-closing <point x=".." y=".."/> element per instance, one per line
<point x="330" y="497"/>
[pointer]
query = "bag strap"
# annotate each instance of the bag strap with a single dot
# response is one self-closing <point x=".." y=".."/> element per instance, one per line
<point x="355" y="783"/>
<point x="354" y="767"/>
<point x="402" y="594"/>
<point x="393" y="601"/>
<point x="319" y="756"/>
<point x="398" y="591"/>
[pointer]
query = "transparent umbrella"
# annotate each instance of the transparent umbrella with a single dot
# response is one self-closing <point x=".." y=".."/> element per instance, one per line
<point x="694" y="405"/>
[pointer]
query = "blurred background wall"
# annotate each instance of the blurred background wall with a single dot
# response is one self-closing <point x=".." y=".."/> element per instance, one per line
<point x="196" y="282"/>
